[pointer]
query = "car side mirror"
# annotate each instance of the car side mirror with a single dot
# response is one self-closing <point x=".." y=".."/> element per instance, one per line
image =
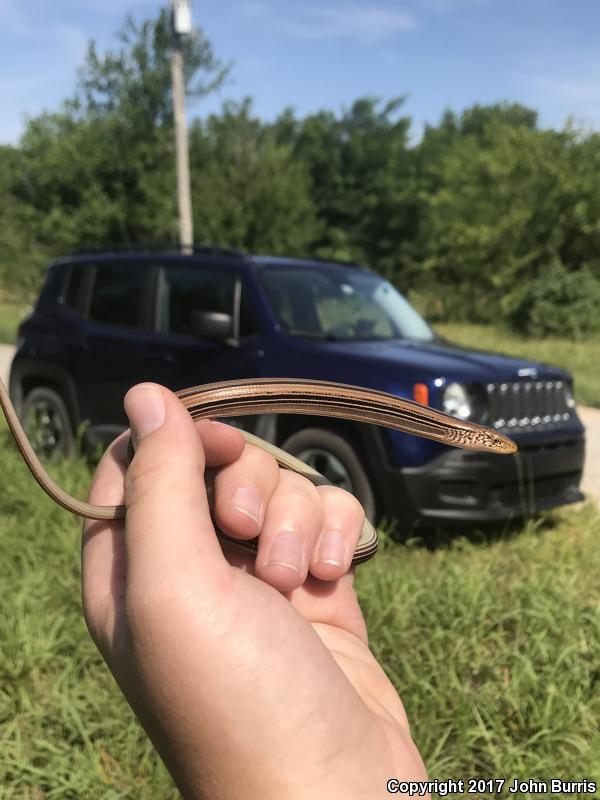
<point x="214" y="325"/>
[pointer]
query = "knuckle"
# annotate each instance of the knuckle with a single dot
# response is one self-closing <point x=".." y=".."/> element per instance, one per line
<point x="253" y="467"/>
<point x="299" y="489"/>
<point x="341" y="502"/>
<point x="260" y="460"/>
<point x="293" y="480"/>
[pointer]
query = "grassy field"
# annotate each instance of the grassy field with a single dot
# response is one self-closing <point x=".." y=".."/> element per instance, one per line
<point x="493" y="643"/>
<point x="580" y="358"/>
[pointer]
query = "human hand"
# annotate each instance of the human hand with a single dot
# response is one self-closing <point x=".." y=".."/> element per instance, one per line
<point x="253" y="679"/>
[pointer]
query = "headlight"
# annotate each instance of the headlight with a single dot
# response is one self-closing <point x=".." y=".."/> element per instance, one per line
<point x="456" y="401"/>
<point x="569" y="399"/>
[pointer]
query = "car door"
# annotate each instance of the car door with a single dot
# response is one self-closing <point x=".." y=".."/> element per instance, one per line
<point x="172" y="354"/>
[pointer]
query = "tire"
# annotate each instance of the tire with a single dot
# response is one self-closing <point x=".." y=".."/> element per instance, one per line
<point x="46" y="422"/>
<point x="334" y="457"/>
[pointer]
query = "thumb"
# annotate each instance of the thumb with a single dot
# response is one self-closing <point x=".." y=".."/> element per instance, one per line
<point x="168" y="526"/>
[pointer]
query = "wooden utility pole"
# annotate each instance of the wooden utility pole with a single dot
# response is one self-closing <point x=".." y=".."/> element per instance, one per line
<point x="181" y="27"/>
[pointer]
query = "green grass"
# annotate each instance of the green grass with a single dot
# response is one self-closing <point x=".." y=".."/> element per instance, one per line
<point x="11" y="314"/>
<point x="494" y="646"/>
<point x="580" y="358"/>
<point x="493" y="643"/>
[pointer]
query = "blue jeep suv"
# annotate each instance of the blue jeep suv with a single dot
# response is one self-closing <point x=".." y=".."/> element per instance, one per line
<point x="105" y="321"/>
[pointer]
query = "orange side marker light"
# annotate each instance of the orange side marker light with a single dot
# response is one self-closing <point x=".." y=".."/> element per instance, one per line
<point x="421" y="393"/>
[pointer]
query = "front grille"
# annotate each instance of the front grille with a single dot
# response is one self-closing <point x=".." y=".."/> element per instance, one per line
<point x="525" y="405"/>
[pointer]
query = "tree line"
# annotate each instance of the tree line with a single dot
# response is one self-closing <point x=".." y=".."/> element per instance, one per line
<point x="489" y="217"/>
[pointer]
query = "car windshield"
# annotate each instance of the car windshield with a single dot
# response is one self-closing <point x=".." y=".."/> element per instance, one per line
<point x="340" y="304"/>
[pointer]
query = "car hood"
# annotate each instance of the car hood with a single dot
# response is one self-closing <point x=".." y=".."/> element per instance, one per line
<point x="438" y="358"/>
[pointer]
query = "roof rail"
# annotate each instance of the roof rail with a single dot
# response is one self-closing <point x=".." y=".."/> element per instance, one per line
<point x="218" y="251"/>
<point x="160" y="247"/>
<point x="340" y="261"/>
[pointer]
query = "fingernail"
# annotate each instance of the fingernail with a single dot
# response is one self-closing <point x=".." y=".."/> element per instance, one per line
<point x="145" y="407"/>
<point x="332" y="548"/>
<point x="248" y="501"/>
<point x="286" y="551"/>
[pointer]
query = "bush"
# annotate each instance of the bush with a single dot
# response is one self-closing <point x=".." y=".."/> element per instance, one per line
<point x="461" y="303"/>
<point x="562" y="303"/>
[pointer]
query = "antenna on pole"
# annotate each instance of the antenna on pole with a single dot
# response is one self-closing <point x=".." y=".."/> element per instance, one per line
<point x="182" y="26"/>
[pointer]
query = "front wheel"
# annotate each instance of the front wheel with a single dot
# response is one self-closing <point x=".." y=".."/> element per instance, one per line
<point x="334" y="457"/>
<point x="46" y="422"/>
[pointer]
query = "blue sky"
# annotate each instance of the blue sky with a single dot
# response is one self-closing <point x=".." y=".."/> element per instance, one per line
<point x="312" y="54"/>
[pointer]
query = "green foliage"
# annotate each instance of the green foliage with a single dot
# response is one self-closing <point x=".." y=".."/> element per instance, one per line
<point x="100" y="198"/>
<point x="362" y="179"/>
<point x="134" y="82"/>
<point x="562" y="303"/>
<point x="21" y="255"/>
<point x="247" y="189"/>
<point x="492" y="642"/>
<point x="503" y="202"/>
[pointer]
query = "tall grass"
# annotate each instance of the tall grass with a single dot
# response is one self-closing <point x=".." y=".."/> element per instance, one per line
<point x="494" y="646"/>
<point x="493" y="642"/>
<point x="65" y="731"/>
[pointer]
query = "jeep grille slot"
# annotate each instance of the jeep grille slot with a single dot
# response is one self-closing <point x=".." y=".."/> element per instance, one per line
<point x="529" y="404"/>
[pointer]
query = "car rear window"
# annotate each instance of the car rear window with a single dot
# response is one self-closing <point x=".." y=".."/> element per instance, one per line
<point x="117" y="294"/>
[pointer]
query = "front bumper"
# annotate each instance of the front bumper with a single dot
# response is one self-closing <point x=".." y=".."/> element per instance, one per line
<point x="465" y="487"/>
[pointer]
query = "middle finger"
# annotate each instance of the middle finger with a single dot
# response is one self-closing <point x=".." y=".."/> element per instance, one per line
<point x="292" y="525"/>
<point x="242" y="491"/>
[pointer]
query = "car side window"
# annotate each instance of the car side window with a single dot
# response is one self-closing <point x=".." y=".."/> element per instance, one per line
<point x="117" y="294"/>
<point x="73" y="296"/>
<point x="248" y="324"/>
<point x="183" y="290"/>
